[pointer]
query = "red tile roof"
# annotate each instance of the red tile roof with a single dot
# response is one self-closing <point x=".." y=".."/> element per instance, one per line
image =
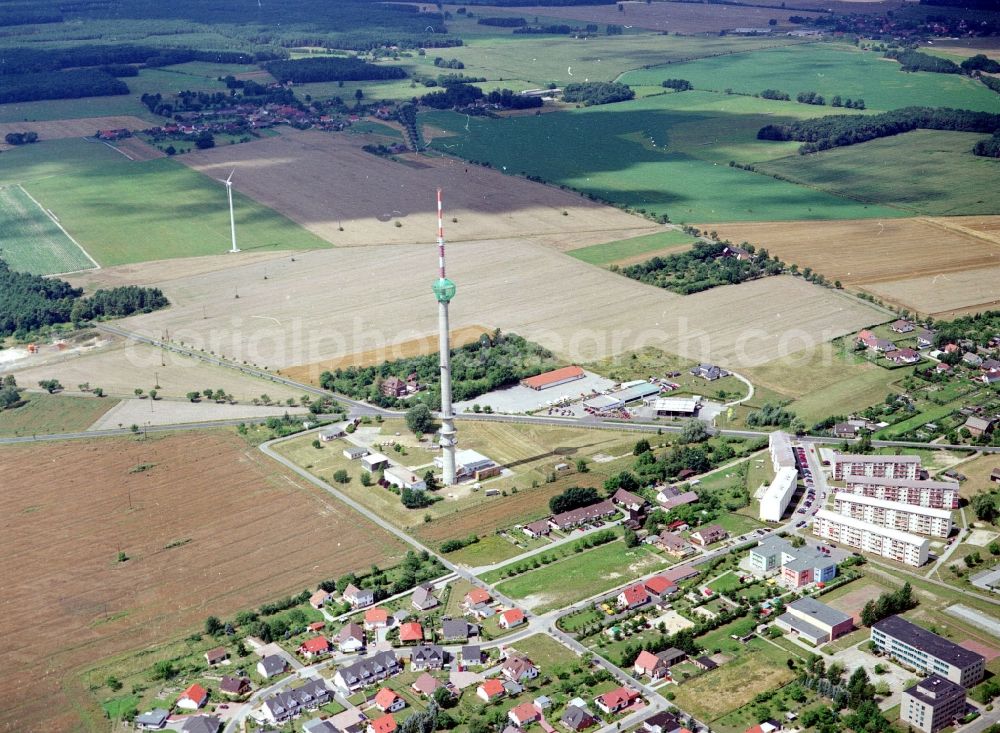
<point x="195" y="692"/>
<point x="376" y="615"/>
<point x="635" y="594"/>
<point x="556" y="375"/>
<point x="492" y="687"/>
<point x="524" y="713"/>
<point x="385" y="698"/>
<point x="513" y="616"/>
<point x="658" y="584"/>
<point x="411" y="631"/>
<point x="385" y="724"/>
<point x="477" y="596"/>
<point x="315" y="644"/>
<point x="618" y="697"/>
<point x="646" y="661"/>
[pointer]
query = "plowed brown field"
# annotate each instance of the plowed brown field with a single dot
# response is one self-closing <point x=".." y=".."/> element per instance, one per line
<point x="253" y="532"/>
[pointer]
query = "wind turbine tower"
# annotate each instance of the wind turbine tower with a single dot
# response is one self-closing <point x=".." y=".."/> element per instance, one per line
<point x="232" y="219"/>
<point x="444" y="291"/>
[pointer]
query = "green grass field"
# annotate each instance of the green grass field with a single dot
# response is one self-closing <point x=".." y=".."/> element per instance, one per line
<point x="603" y="254"/>
<point x="829" y="69"/>
<point x="544" y="651"/>
<point x="666" y="154"/>
<point x="580" y="576"/>
<point x="924" y="171"/>
<point x="45" y="413"/>
<point x="124" y="211"/>
<point x="32" y="242"/>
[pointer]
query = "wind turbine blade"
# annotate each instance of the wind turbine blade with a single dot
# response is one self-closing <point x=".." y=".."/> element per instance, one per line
<point x="230" y="175"/>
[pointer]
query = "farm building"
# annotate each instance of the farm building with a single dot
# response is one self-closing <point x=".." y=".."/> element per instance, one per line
<point x="676" y="406"/>
<point x="354" y="452"/>
<point x="775" y="500"/>
<point x="553" y="378"/>
<point x="404" y="478"/>
<point x="471" y="465"/>
<point x="374" y="461"/>
<point x="978" y="426"/>
<point x="617" y="400"/>
<point x="709" y="372"/>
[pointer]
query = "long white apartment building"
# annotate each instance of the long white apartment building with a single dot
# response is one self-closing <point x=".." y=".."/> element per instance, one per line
<point x="904" y="517"/>
<point x="846" y="464"/>
<point x="782" y="454"/>
<point x="935" y="494"/>
<point x="890" y="543"/>
<point x="774" y="501"/>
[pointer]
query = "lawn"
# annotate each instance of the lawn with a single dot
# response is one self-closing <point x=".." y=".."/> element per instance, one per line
<point x="829" y="69"/>
<point x="737" y="524"/>
<point x="646" y="245"/>
<point x="580" y="576"/>
<point x="124" y="211"/>
<point x="544" y="651"/>
<point x="33" y="242"/>
<point x="923" y="172"/>
<point x="492" y="549"/>
<point x="45" y="413"/>
<point x="665" y="154"/>
<point x="725" y="583"/>
<point x="711" y="695"/>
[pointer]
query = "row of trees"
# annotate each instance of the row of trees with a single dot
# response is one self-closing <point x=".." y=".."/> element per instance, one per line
<point x="27" y="60"/>
<point x="506" y="22"/>
<point x="457" y="95"/>
<point x="823" y="133"/>
<point x="590" y="93"/>
<point x="702" y="267"/>
<point x="30" y="302"/>
<point x="917" y="61"/>
<point x="21" y="138"/>
<point x="888" y="604"/>
<point x="680" y="85"/>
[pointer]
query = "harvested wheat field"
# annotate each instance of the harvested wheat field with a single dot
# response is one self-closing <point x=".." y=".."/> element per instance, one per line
<point x="325" y="182"/>
<point x="122" y="368"/>
<point x="210" y="527"/>
<point x="331" y="303"/>
<point x="896" y="259"/>
<point x="137" y="149"/>
<point x="84" y="127"/>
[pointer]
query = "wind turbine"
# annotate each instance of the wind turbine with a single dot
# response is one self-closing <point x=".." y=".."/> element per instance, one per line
<point x="232" y="220"/>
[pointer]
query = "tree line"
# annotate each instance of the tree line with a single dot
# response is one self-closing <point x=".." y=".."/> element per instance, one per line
<point x="457" y="95"/>
<point x="507" y="22"/>
<point x="702" y="267"/>
<point x="71" y="84"/>
<point x="21" y="138"/>
<point x="28" y="60"/>
<point x="916" y="61"/>
<point x="30" y="302"/>
<point x="823" y="133"/>
<point x="330" y="68"/>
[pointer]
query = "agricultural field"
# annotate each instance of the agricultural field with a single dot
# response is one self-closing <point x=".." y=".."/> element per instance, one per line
<point x="45" y="413"/>
<point x="156" y="209"/>
<point x="530" y="451"/>
<point x="168" y="503"/>
<point x="978" y="473"/>
<point x="82" y="127"/>
<point x="635" y="249"/>
<point x="828" y="69"/>
<point x="889" y="258"/>
<point x="340" y="193"/>
<point x="33" y="242"/>
<point x="920" y="172"/>
<point x="664" y="154"/>
<point x="580" y="576"/>
<point x="121" y="368"/>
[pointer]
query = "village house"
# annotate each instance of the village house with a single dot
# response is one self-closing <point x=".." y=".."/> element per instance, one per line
<point x="359" y="597"/>
<point x="576" y="718"/>
<point x="318" y="646"/>
<point x="351" y="638"/>
<point x="632" y="597"/>
<point x="216" y="656"/>
<point x="903" y="356"/>
<point x="394" y="387"/>
<point x="427" y="656"/>
<point x="709" y="535"/>
<point x="902" y="326"/>
<point x="979" y="426"/>
<point x="475" y="598"/>
<point x="925" y="338"/>
<point x="388" y="701"/>
<point x="271" y="666"/>
<point x="320" y="598"/>
<point x="536" y="529"/>
<point x="201" y="724"/>
<point x="628" y="500"/>
<point x="155" y="719"/>
<point x="411" y="631"/>
<point x="518" y="667"/>
<point x="193" y="697"/>
<point x="376" y="618"/>
<point x="426" y="685"/>
<point x="456" y="629"/>
<point x="471" y="655"/>
<point x="424" y="598"/>
<point x="664" y="722"/>
<point x="234" y="686"/>
<point x="385" y="724"/>
<point x="972" y="360"/>
<point x="367" y="671"/>
<point x="524" y="714"/>
<point x="709" y="372"/>
<point x="575" y="517"/>
<point x="511" y="618"/>
<point x="673" y="545"/>
<point x="490" y="690"/>
<point x="616" y="700"/>
<point x="874" y="343"/>
<point x="670" y="497"/>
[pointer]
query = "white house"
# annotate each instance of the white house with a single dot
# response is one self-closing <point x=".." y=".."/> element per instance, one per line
<point x="404" y="478"/>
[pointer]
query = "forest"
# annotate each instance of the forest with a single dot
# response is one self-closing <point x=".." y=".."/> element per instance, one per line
<point x="303" y="71"/>
<point x="30" y="302"/>
<point x="495" y="360"/>
<point x="916" y="61"/>
<point x="702" y="267"/>
<point x="60" y="85"/>
<point x="27" y="60"/>
<point x="823" y="133"/>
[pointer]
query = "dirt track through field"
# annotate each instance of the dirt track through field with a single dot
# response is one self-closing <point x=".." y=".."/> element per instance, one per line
<point x="325" y="181"/>
<point x="331" y="303"/>
<point x="236" y="523"/>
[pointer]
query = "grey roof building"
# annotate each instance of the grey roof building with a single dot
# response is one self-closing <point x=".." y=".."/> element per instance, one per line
<point x="472" y="655"/>
<point x="424" y="598"/>
<point x="427" y="656"/>
<point x="367" y="671"/>
<point x="455" y="629"/>
<point x="926" y="651"/>
<point x="271" y="665"/>
<point x="201" y="724"/>
<point x="932" y="704"/>
<point x="576" y="718"/>
<point x="153" y="720"/>
<point x="283" y="706"/>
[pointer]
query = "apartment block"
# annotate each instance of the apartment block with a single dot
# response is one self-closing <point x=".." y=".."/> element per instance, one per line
<point x="904" y="517"/>
<point x="890" y="543"/>
<point x="932" y="494"/>
<point x="927" y="652"/>
<point x="932" y="704"/>
<point x="845" y="465"/>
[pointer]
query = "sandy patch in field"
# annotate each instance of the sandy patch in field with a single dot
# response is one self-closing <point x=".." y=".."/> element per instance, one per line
<point x="331" y="303"/>
<point x="673" y="622"/>
<point x="324" y="181"/>
<point x="119" y="370"/>
<point x="84" y="127"/>
<point x="854" y="601"/>
<point x="535" y="600"/>
<point x="930" y="265"/>
<point x="164" y="412"/>
<point x="981" y="537"/>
